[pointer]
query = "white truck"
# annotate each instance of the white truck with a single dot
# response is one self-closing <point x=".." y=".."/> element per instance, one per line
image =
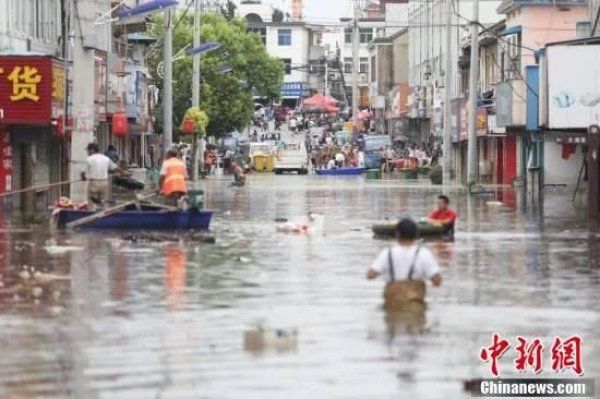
<point x="293" y="157"/>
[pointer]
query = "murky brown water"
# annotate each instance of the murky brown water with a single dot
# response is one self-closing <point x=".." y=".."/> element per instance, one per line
<point x="167" y="321"/>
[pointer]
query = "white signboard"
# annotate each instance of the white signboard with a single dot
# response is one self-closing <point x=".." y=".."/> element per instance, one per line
<point x="573" y="86"/>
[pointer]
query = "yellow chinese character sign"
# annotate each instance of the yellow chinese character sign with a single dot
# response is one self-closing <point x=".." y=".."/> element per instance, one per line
<point x="25" y="82"/>
<point x="28" y="90"/>
<point x="58" y="84"/>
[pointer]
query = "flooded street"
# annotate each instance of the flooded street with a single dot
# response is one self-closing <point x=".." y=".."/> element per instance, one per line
<point x="108" y="318"/>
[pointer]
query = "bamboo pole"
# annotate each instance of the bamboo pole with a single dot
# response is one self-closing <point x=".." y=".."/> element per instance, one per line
<point x="40" y="187"/>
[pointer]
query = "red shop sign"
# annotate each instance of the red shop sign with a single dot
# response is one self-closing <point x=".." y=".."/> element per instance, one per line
<point x="26" y="89"/>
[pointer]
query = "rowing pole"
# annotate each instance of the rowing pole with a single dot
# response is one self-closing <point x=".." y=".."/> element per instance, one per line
<point x="40" y="187"/>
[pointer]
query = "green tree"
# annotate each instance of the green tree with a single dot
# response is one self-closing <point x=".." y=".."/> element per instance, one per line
<point x="227" y="98"/>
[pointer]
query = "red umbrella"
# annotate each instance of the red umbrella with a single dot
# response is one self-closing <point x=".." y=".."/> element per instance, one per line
<point x="333" y="110"/>
<point x="319" y="101"/>
<point x="331" y="100"/>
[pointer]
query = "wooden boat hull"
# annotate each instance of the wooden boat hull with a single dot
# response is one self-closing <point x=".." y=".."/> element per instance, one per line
<point x="340" y="172"/>
<point x="388" y="229"/>
<point x="141" y="219"/>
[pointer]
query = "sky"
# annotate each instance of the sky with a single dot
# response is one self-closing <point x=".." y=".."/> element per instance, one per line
<point x="319" y="10"/>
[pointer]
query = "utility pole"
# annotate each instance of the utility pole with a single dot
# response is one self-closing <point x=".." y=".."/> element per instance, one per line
<point x="64" y="147"/>
<point x="326" y="91"/>
<point x="447" y="144"/>
<point x="472" y="164"/>
<point x="355" y="40"/>
<point x="168" y="84"/>
<point x="84" y="13"/>
<point x="196" y="91"/>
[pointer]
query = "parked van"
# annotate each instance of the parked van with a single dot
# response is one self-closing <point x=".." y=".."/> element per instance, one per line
<point x="293" y="157"/>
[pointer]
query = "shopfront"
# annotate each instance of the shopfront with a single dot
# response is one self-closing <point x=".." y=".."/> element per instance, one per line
<point x="32" y="92"/>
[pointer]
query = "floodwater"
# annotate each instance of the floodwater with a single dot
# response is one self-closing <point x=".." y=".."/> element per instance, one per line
<point x="109" y="318"/>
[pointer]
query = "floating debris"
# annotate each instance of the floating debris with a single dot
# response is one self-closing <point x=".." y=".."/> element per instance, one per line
<point x="61" y="249"/>
<point x="204" y="238"/>
<point x="47" y="277"/>
<point x="261" y="338"/>
<point x="150" y="238"/>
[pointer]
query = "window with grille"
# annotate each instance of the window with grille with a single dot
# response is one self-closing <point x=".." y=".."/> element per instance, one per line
<point x="284" y="37"/>
<point x="511" y="57"/>
<point x="262" y="32"/>
<point x="348" y="65"/>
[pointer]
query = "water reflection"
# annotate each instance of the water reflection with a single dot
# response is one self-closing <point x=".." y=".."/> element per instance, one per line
<point x="175" y="275"/>
<point x="166" y="319"/>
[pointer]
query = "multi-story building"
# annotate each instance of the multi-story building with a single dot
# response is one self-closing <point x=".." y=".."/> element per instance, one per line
<point x="388" y="61"/>
<point x="32" y="90"/>
<point x="36" y="111"/>
<point x="492" y="142"/>
<point x="371" y="26"/>
<point x="389" y="83"/>
<point x="396" y="15"/>
<point x="594" y="17"/>
<point x="298" y="44"/>
<point x="427" y="58"/>
<point x="530" y="25"/>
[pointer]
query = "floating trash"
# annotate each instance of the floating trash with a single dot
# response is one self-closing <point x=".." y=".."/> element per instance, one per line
<point x="261" y="338"/>
<point x="61" y="249"/>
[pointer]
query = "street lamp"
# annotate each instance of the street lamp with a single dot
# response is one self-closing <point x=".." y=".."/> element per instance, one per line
<point x="224" y="69"/>
<point x="204" y="48"/>
<point x="138" y="14"/>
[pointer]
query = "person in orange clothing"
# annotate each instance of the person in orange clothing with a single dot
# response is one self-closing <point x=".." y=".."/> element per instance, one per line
<point x="173" y="175"/>
<point x="443" y="215"/>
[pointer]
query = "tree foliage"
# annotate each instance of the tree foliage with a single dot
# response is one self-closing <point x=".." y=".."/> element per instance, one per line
<point x="227" y="98"/>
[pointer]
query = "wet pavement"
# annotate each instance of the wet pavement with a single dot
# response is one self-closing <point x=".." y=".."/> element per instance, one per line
<point x="107" y="318"/>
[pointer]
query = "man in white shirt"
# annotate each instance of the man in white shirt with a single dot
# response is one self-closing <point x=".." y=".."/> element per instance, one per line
<point x="331" y="164"/>
<point x="406" y="253"/>
<point x="96" y="173"/>
<point x="339" y="160"/>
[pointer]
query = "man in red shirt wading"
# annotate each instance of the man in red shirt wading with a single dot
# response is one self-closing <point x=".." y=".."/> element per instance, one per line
<point x="443" y="215"/>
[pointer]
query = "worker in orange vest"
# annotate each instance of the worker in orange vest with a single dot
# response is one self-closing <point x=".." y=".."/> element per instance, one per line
<point x="173" y="175"/>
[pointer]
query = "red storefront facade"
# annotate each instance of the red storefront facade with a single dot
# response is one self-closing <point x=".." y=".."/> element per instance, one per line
<point x="32" y="90"/>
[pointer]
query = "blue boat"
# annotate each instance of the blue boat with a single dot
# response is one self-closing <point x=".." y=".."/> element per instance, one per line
<point x="340" y="172"/>
<point x="146" y="219"/>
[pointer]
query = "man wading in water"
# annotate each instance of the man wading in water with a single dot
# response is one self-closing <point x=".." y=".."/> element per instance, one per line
<point x="405" y="267"/>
